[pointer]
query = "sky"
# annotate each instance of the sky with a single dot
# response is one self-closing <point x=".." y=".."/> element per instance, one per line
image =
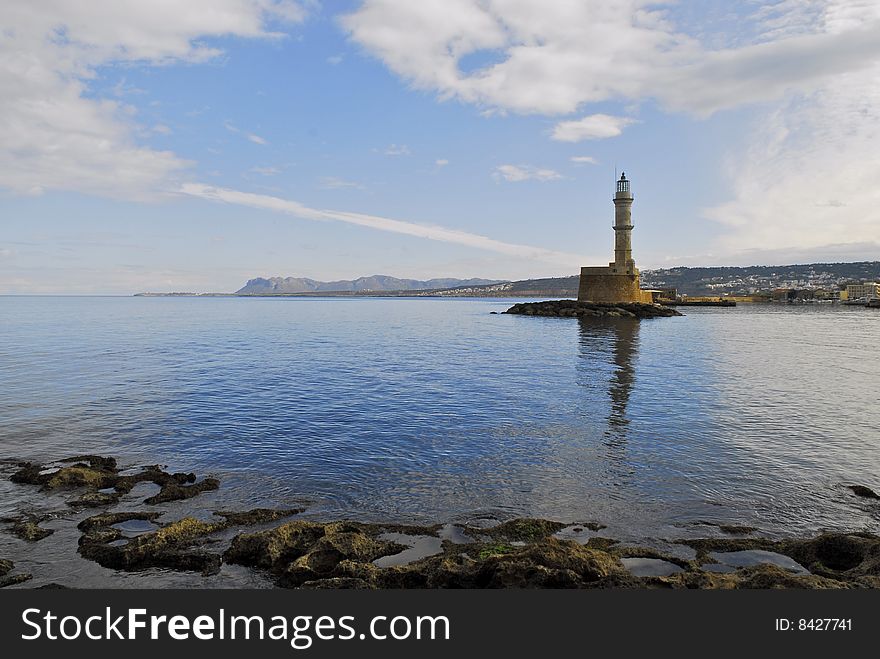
<point x="190" y="146"/>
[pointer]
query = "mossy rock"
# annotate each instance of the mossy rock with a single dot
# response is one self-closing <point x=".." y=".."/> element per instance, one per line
<point x="495" y="549"/>
<point x="168" y="547"/>
<point x="94" y="473"/>
<point x="525" y="529"/>
<point x="257" y="516"/>
<point x="79" y="477"/>
<point x="772" y="576"/>
<point x="837" y="555"/>
<point x="30" y="530"/>
<point x="176" y="492"/>
<point x="274" y="548"/>
<point x="6" y="579"/>
<point x="302" y="551"/>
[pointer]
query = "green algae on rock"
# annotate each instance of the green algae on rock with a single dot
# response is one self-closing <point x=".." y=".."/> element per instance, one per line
<point x="302" y="551"/>
<point x="526" y="529"/>
<point x="98" y="473"/>
<point x="257" y="516"/>
<point x="178" y="545"/>
<point x="171" y="546"/>
<point x="849" y="559"/>
<point x="518" y="553"/>
<point x="28" y="528"/>
<point x="91" y="471"/>
<point x="342" y="554"/>
<point x="6" y="579"/>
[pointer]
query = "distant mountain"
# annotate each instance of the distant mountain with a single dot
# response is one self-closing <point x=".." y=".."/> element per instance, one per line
<point x="688" y="281"/>
<point x="293" y="285"/>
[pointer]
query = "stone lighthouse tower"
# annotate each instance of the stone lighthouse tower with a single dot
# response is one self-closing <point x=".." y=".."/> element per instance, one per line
<point x="619" y="282"/>
<point x="623" y="201"/>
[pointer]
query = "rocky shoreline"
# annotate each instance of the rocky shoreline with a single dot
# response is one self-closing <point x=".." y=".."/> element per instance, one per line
<point x="519" y="553"/>
<point x="575" y="309"/>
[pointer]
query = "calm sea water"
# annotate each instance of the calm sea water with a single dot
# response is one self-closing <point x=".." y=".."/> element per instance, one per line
<point x="427" y="410"/>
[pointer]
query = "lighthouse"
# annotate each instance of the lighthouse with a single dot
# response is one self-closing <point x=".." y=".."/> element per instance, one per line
<point x="619" y="282"/>
<point x="623" y="201"/>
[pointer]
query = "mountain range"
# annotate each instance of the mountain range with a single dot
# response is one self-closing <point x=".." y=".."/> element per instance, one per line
<point x="290" y="285"/>
<point x="689" y="281"/>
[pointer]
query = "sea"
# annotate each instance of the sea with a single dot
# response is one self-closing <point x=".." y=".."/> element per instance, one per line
<point x="446" y="410"/>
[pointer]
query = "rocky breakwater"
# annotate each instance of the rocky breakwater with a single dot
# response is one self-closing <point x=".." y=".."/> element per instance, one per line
<point x="575" y="309"/>
<point x="294" y="552"/>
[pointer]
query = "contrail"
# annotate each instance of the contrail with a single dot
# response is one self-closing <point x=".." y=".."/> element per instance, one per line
<point x="442" y="234"/>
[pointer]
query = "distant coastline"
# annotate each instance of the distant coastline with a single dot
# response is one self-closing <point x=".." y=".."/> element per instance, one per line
<point x="820" y="280"/>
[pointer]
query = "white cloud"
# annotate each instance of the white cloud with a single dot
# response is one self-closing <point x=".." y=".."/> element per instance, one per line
<point x="397" y="150"/>
<point x="584" y="160"/>
<point x="54" y="134"/>
<point x="807" y="177"/>
<point x="592" y="127"/>
<point x="256" y="139"/>
<point x="429" y="232"/>
<point x="441" y="162"/>
<point x="161" y="129"/>
<point x="266" y="171"/>
<point x="517" y="173"/>
<point x="334" y="183"/>
<point x="553" y="57"/>
<point x="335" y="59"/>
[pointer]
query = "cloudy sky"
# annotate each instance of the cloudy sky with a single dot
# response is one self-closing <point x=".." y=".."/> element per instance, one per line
<point x="171" y="145"/>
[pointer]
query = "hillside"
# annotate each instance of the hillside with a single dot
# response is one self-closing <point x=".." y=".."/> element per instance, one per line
<point x="697" y="281"/>
<point x="751" y="279"/>
<point x="374" y="283"/>
<point x="688" y="281"/>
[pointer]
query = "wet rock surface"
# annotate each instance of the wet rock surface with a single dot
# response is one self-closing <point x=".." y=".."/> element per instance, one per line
<point x="6" y="566"/>
<point x="517" y="553"/>
<point x="575" y="309"/>
<point x="524" y="553"/>
<point x="173" y="546"/>
<point x="849" y="559"/>
<point x="183" y="544"/>
<point x="863" y="491"/>
<point x="27" y="527"/>
<point x="101" y="477"/>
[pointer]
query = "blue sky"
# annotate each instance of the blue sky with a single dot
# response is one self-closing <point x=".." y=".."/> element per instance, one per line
<point x="191" y="146"/>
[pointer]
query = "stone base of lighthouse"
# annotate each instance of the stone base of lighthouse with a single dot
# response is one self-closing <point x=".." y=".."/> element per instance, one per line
<point x="600" y="284"/>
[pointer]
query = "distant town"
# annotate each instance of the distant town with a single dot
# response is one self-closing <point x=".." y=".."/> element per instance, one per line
<point x="788" y="282"/>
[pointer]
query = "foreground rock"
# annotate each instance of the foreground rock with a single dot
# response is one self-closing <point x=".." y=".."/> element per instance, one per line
<point x="527" y="553"/>
<point x="98" y="474"/>
<point x="6" y="567"/>
<point x="27" y="527"/>
<point x="178" y="545"/>
<point x="300" y="552"/>
<point x="864" y="492"/>
<point x="841" y="559"/>
<point x="519" y="553"/>
<point x="575" y="309"/>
